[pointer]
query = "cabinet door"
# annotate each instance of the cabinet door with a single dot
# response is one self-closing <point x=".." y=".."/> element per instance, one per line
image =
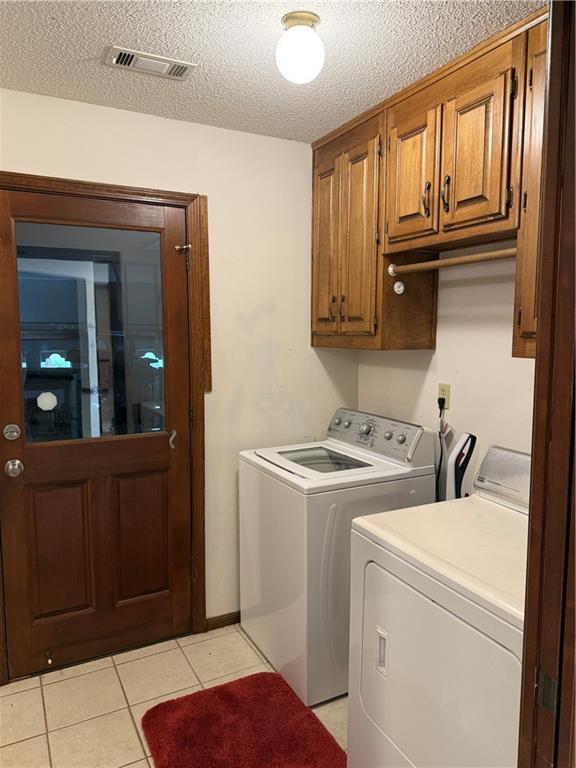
<point x="412" y="189"/>
<point x="475" y="154"/>
<point x="358" y="237"/>
<point x="527" y="262"/>
<point x="325" y="223"/>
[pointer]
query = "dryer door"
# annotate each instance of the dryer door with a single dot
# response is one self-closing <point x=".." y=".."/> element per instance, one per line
<point x="443" y="692"/>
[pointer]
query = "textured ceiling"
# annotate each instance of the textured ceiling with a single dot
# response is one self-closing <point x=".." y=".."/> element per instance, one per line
<point x="373" y="49"/>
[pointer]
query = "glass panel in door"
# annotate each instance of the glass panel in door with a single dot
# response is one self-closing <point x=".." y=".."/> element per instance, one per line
<point x="91" y="331"/>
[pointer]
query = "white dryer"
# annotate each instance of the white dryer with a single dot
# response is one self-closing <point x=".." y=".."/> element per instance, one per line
<point x="437" y="612"/>
<point x="297" y="503"/>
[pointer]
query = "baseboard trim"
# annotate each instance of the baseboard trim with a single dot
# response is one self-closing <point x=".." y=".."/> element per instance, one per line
<point x="217" y="622"/>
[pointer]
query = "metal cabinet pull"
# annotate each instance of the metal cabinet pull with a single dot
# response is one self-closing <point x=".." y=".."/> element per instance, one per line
<point x="426" y="198"/>
<point x="341" y="310"/>
<point x="444" y="194"/>
<point x="331" y="312"/>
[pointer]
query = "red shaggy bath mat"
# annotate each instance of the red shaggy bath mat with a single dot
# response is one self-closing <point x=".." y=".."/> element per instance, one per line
<point x="254" y="722"/>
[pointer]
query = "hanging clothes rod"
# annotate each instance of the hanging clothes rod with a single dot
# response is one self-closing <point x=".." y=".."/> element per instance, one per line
<point x="453" y="261"/>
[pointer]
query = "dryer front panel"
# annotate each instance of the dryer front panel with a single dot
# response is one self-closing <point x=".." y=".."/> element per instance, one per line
<point x="444" y="693"/>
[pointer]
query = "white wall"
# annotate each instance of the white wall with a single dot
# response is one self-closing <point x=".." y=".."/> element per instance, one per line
<point x="269" y="385"/>
<point x="491" y="392"/>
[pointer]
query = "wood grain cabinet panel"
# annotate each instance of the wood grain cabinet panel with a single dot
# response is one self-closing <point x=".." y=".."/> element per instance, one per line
<point x="412" y="189"/>
<point x="475" y="154"/>
<point x="527" y="259"/>
<point x="326" y="224"/>
<point x="358" y="245"/>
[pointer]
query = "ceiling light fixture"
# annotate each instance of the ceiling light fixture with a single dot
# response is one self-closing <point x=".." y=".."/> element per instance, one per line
<point x="300" y="51"/>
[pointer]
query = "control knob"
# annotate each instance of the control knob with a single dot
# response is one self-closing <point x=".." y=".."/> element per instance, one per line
<point x="337" y="420"/>
<point x="347" y="423"/>
<point x="401" y="438"/>
<point x="388" y="435"/>
<point x="366" y="428"/>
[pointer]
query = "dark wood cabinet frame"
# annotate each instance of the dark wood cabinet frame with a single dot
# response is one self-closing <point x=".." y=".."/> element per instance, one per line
<point x="196" y="214"/>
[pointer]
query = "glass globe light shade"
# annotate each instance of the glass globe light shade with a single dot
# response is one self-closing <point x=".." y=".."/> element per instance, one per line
<point x="300" y="54"/>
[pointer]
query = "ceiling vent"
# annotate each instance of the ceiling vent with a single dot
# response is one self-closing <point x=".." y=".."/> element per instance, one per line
<point x="148" y="63"/>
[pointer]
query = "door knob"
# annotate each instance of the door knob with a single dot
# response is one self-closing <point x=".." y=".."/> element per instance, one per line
<point x="13" y="468"/>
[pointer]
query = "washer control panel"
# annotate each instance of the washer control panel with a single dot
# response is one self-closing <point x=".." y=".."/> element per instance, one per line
<point x="398" y="440"/>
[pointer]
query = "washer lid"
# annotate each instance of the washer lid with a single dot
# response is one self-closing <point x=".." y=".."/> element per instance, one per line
<point x="475" y="546"/>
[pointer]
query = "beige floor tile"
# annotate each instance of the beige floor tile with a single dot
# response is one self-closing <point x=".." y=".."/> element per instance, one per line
<point x="80" y="698"/>
<point x="237" y="675"/>
<point x="21" y="716"/>
<point x="32" y="753"/>
<point x="191" y="639"/>
<point x="153" y="676"/>
<point x="138" y="710"/>
<point x="221" y="656"/>
<point x="148" y="650"/>
<point x="77" y="669"/>
<point x="334" y="717"/>
<point x="19" y="685"/>
<point x="253" y="645"/>
<point x="109" y="741"/>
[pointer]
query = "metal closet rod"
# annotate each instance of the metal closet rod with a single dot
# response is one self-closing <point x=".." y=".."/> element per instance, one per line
<point x="453" y="261"/>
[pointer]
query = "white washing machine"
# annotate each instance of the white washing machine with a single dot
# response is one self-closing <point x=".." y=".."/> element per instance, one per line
<point x="437" y="608"/>
<point x="297" y="503"/>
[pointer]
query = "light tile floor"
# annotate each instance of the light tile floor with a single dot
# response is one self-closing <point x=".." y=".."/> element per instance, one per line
<point x="88" y="716"/>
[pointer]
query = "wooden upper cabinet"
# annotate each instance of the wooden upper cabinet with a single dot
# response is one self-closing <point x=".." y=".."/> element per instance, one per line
<point x="412" y="189"/>
<point x="325" y="268"/>
<point x="359" y="171"/>
<point x="527" y="261"/>
<point x="475" y="154"/>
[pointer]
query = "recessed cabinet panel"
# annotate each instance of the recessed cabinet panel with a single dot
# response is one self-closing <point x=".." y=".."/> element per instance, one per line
<point x="527" y="261"/>
<point x="325" y="248"/>
<point x="413" y="176"/>
<point x="476" y="154"/>
<point x="359" y="217"/>
<point x="60" y="546"/>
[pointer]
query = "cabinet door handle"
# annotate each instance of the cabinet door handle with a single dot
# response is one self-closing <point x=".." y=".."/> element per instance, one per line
<point x="426" y="198"/>
<point x="331" y="312"/>
<point x="444" y="194"/>
<point x="342" y="315"/>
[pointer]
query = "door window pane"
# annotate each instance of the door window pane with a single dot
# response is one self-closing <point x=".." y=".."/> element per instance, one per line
<point x="91" y="331"/>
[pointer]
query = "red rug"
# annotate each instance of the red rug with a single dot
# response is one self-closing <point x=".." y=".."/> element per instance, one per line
<point x="253" y="722"/>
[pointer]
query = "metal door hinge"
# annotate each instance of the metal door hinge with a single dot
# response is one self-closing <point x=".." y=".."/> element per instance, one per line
<point x="514" y="86"/>
<point x="509" y="197"/>
<point x="547" y="692"/>
<point x="530" y="78"/>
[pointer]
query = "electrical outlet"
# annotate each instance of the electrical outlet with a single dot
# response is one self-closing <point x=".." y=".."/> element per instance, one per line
<point x="444" y="391"/>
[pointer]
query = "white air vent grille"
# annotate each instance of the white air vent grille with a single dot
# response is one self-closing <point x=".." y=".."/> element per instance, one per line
<point x="148" y="63"/>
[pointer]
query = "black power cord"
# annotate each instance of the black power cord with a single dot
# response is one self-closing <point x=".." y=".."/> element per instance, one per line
<point x="441" y="406"/>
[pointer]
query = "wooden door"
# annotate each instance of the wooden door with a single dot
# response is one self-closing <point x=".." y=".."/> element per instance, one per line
<point x="94" y="377"/>
<point x="476" y="154"/>
<point x="359" y="171"/>
<point x="412" y="175"/>
<point x="527" y="261"/>
<point x="325" y="237"/>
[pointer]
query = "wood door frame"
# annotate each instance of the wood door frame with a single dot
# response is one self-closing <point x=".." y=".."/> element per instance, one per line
<point x="196" y="214"/>
<point x="546" y="733"/>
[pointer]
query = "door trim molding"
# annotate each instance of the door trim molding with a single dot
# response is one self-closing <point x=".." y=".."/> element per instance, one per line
<point x="195" y="207"/>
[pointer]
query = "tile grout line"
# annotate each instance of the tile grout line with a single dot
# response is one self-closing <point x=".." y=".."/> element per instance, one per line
<point x="73" y="677"/>
<point x="45" y="720"/>
<point x="140" y="739"/>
